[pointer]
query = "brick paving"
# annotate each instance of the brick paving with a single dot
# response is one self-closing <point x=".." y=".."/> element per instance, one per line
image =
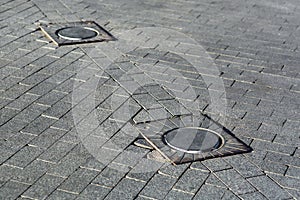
<point x="56" y="144"/>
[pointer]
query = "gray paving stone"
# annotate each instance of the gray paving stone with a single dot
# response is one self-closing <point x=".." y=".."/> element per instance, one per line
<point x="94" y="192"/>
<point x="283" y="159"/>
<point x="294" y="193"/>
<point x="235" y="181"/>
<point x="47" y="138"/>
<point x="42" y="88"/>
<point x="229" y="195"/>
<point x="57" y="194"/>
<point x="65" y="123"/>
<point x="173" y="171"/>
<point x="23" y="101"/>
<point x="32" y="172"/>
<point x="175" y="194"/>
<point x="38" y="125"/>
<point x="11" y="46"/>
<point x="34" y="79"/>
<point x="293" y="172"/>
<point x="12" y="189"/>
<point x="144" y="170"/>
<point x="43" y="61"/>
<point x="111" y="175"/>
<point x="7" y="172"/>
<point x="243" y="166"/>
<point x="56" y="152"/>
<point x="70" y="162"/>
<point x="129" y="157"/>
<point x="146" y="100"/>
<point x="30" y="113"/>
<point x="4" y="102"/>
<point x="6" y="153"/>
<point x="130" y="86"/>
<point x="260" y="135"/>
<point x="163" y="78"/>
<point x="273" y="167"/>
<point x="43" y="187"/>
<point x="78" y="180"/>
<point x="17" y="141"/>
<point x="61" y="76"/>
<point x="191" y="180"/>
<point x="199" y="166"/>
<point x="126" y="189"/>
<point x="93" y="164"/>
<point x="268" y="187"/>
<point x="119" y="142"/>
<point x="56" y="66"/>
<point x="70" y="137"/>
<point x="11" y="128"/>
<point x="297" y="153"/>
<point x="287" y="140"/>
<point x="142" y="117"/>
<point x="26" y="71"/>
<point x="108" y="128"/>
<point x="57" y="110"/>
<point x="25" y="156"/>
<point x="7" y="114"/>
<point x="214" y="181"/>
<point x="174" y="107"/>
<point x="68" y="85"/>
<point x="216" y="164"/>
<point x="113" y="102"/>
<point x="51" y="98"/>
<point x="18" y="53"/>
<point x="11" y="87"/>
<point x="158" y="186"/>
<point x="140" y="197"/>
<point x="254" y="195"/>
<point x="209" y="192"/>
<point x="124" y="113"/>
<point x="272" y="147"/>
<point x="158" y="92"/>
<point x="118" y="195"/>
<point x="286" y="182"/>
<point x="108" y="152"/>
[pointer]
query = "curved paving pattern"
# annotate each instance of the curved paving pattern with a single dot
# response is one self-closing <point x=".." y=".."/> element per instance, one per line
<point x="255" y="47"/>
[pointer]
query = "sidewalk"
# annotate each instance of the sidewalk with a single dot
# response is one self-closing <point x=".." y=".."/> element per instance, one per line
<point x="69" y="113"/>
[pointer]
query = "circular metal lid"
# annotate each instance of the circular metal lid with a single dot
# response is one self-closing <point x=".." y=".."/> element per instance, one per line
<point x="193" y="139"/>
<point x="77" y="33"/>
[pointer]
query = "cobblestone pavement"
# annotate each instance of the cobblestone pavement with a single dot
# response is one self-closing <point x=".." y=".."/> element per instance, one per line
<point x="52" y="149"/>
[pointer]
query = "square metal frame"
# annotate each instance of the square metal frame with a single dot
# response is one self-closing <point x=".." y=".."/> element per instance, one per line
<point x="50" y="30"/>
<point x="231" y="144"/>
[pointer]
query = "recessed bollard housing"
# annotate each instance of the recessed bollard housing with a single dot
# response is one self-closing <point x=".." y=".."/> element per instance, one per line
<point x="76" y="33"/>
